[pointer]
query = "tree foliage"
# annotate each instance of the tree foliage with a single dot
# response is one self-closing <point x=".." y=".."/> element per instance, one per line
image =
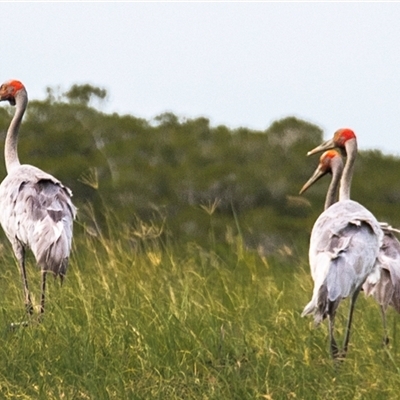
<point x="82" y="94"/>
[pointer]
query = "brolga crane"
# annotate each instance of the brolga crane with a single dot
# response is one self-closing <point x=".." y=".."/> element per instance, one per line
<point x="386" y="291"/>
<point x="344" y="246"/>
<point x="36" y="211"/>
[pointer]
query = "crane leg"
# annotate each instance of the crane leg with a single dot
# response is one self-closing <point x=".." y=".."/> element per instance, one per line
<point x="349" y="321"/>
<point x="44" y="275"/>
<point x="385" y="331"/>
<point x="332" y="341"/>
<point x="19" y="252"/>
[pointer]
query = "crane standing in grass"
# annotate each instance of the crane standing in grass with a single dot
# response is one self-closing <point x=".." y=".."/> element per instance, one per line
<point x="386" y="291"/>
<point x="344" y="246"/>
<point x="36" y="210"/>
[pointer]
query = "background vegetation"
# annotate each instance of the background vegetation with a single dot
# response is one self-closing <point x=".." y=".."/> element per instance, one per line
<point x="189" y="270"/>
<point x="173" y="167"/>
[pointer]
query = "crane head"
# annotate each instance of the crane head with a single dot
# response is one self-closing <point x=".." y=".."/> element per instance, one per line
<point x="325" y="166"/>
<point x="339" y="141"/>
<point x="9" y="89"/>
<point x="341" y="136"/>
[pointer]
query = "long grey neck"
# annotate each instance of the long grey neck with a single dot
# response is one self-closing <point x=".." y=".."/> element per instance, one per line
<point x="331" y="195"/>
<point x="11" y="144"/>
<point x="345" y="183"/>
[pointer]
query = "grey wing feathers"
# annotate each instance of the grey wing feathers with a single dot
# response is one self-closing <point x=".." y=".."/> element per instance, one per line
<point x="344" y="246"/>
<point x="386" y="290"/>
<point x="341" y="214"/>
<point x="44" y="218"/>
<point x="347" y="269"/>
<point x="386" y="228"/>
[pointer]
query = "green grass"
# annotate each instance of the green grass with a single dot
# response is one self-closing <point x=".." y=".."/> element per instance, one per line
<point x="139" y="317"/>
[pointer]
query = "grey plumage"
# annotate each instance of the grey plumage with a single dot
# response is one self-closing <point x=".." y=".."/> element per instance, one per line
<point x="344" y="245"/>
<point x="36" y="211"/>
<point x="385" y="289"/>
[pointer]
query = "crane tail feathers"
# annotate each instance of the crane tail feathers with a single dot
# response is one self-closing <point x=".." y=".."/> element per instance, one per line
<point x="320" y="305"/>
<point x="55" y="258"/>
<point x="309" y="308"/>
<point x="313" y="308"/>
<point x="58" y="266"/>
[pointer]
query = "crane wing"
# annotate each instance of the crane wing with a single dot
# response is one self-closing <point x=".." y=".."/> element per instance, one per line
<point x="38" y="213"/>
<point x="343" y="250"/>
<point x="387" y="290"/>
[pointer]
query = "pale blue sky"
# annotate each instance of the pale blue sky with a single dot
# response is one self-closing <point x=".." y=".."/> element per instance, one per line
<point x="238" y="64"/>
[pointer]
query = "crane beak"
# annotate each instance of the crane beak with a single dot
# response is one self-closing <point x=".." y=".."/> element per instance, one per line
<point x="329" y="144"/>
<point x="319" y="173"/>
<point x="10" y="99"/>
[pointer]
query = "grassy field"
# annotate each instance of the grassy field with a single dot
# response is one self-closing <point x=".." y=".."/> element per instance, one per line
<point x="141" y="317"/>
